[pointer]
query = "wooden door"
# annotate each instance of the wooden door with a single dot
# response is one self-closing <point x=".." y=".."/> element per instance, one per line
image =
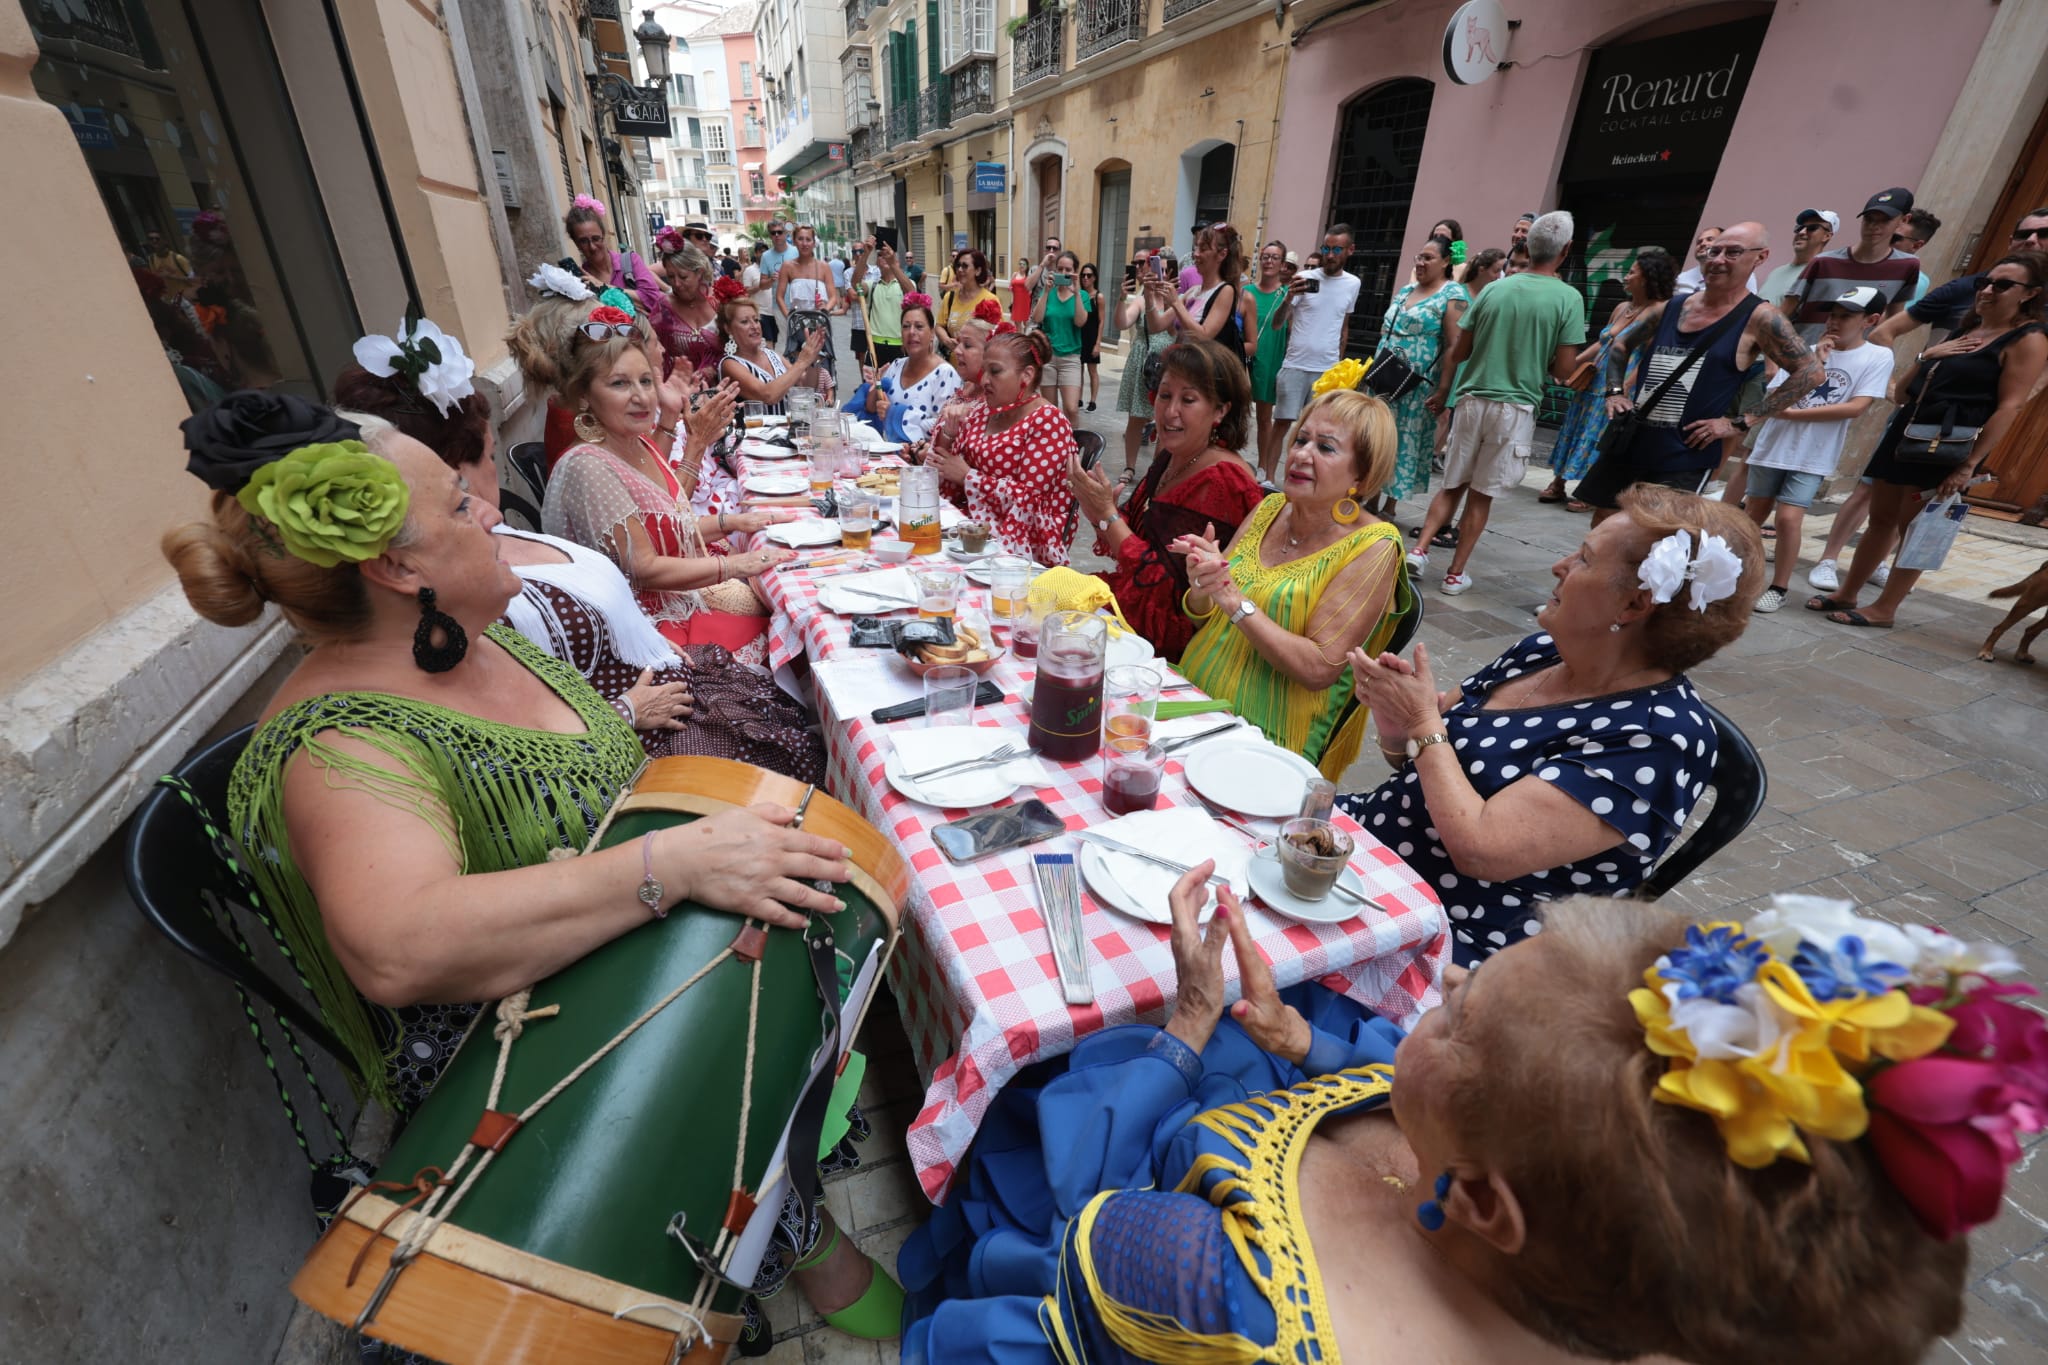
<point x="2021" y="460"/>
<point x="1049" y="187"/>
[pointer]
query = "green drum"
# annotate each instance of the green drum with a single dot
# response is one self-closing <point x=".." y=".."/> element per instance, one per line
<point x="606" y="1227"/>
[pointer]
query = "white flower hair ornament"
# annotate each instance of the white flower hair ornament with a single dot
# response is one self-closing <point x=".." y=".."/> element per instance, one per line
<point x="1671" y="564"/>
<point x="550" y="278"/>
<point x="432" y="362"/>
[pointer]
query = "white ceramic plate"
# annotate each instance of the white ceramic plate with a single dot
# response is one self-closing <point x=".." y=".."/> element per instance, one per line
<point x="981" y="787"/>
<point x="761" y="450"/>
<point x="1251" y="779"/>
<point x="1128" y="649"/>
<point x="777" y="485"/>
<point x="1104" y="886"/>
<point x="1269" y="883"/>
<point x="802" y="535"/>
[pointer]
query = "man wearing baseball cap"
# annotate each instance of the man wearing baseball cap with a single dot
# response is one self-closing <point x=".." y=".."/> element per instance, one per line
<point x="1944" y="305"/>
<point x="1800" y="446"/>
<point x="1812" y="232"/>
<point x="1873" y="261"/>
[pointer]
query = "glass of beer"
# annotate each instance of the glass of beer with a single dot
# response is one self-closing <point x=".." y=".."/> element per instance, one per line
<point x="1130" y="700"/>
<point x="938" y="591"/>
<point x="756" y="416"/>
<point x="856" y="516"/>
<point x="1008" y="577"/>
<point x="917" y="510"/>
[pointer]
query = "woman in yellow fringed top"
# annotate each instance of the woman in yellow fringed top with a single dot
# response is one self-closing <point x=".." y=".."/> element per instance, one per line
<point x="1308" y="576"/>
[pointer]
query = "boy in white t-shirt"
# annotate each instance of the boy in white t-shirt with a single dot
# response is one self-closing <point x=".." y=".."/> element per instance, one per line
<point x="1799" y="447"/>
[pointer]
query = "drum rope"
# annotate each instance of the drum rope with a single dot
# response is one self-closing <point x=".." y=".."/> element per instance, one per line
<point x="707" y="1286"/>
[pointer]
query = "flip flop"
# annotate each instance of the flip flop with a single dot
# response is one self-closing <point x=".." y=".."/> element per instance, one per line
<point x="1576" y="506"/>
<point x="1857" y="618"/>
<point x="1822" y="602"/>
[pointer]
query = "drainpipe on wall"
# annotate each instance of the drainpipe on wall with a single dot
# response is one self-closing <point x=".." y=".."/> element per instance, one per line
<point x="1013" y="195"/>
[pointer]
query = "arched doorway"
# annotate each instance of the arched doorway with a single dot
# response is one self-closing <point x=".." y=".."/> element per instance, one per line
<point x="1379" y="148"/>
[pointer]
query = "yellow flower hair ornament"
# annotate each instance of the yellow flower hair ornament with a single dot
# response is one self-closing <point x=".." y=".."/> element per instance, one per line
<point x="1345" y="374"/>
<point x="330" y="502"/>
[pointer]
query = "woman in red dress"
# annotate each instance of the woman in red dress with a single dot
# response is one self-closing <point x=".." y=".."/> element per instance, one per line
<point x="1196" y="481"/>
<point x="1012" y="452"/>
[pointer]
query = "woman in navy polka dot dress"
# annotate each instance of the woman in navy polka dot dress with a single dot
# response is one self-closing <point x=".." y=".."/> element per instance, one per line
<point x="1569" y="764"/>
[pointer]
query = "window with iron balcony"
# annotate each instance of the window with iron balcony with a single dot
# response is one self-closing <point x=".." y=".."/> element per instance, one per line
<point x="1103" y="24"/>
<point x="1036" y="48"/>
<point x="967" y="31"/>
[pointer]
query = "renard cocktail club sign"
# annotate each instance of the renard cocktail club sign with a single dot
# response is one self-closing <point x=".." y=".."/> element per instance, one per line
<point x="1663" y="107"/>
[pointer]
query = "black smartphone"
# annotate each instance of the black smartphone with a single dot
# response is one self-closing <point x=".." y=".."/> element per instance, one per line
<point x="1131" y="272"/>
<point x="997" y="831"/>
<point x="988" y="694"/>
<point x="1311" y="285"/>
<point x="885" y="236"/>
<point x="571" y="264"/>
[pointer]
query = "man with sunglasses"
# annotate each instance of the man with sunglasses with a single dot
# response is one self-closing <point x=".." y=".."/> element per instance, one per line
<point x="1812" y="230"/>
<point x="779" y="253"/>
<point x="1944" y="306"/>
<point x="1873" y="261"/>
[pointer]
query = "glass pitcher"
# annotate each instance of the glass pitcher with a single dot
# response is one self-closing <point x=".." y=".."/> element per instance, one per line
<point x="917" y="509"/>
<point x="1066" y="699"/>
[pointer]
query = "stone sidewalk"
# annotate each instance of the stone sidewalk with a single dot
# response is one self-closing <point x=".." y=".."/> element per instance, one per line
<point x="1904" y="775"/>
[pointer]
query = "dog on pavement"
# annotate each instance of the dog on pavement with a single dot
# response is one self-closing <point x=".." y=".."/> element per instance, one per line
<point x="2033" y="594"/>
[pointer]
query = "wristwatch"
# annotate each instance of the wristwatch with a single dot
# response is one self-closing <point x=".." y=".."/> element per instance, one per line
<point x="1740" y="421"/>
<point x="1246" y="609"/>
<point x="1416" y="746"/>
<point x="1104" y="525"/>
<point x="1617" y="390"/>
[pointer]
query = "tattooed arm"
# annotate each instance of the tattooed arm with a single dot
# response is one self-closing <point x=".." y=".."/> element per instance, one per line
<point x="1637" y="334"/>
<point x="1771" y="333"/>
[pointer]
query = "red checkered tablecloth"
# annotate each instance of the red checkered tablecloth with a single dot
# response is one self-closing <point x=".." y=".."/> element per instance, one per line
<point x="974" y="974"/>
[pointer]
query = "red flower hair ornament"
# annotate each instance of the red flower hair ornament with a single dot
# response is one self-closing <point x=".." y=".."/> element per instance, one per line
<point x="725" y="289"/>
<point x="604" y="312"/>
<point x="989" y="311"/>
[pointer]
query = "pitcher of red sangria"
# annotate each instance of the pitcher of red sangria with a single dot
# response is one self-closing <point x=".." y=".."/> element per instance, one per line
<point x="1066" y="699"/>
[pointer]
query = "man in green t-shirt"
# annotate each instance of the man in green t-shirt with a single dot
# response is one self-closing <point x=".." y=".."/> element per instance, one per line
<point x="1522" y="332"/>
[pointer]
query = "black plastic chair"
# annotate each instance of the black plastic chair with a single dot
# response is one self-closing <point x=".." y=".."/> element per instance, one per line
<point x="1088" y="445"/>
<point x="185" y="889"/>
<point x="1740" y="785"/>
<point x="1411" y="621"/>
<point x="529" y="459"/>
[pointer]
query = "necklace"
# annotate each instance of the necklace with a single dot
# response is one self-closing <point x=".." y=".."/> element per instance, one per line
<point x="1011" y="407"/>
<point x="1542" y="683"/>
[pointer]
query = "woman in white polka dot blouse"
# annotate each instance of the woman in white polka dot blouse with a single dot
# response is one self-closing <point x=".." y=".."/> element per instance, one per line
<point x="1570" y="763"/>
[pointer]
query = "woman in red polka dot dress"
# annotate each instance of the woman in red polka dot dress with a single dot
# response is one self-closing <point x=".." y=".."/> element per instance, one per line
<point x="1011" y="454"/>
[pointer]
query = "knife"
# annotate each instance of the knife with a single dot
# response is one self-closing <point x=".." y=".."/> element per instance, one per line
<point x="1115" y="846"/>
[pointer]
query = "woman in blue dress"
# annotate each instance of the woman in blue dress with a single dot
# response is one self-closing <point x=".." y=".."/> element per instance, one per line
<point x="1418" y="327"/>
<point x="1291" y="1184"/>
<point x="1578" y="439"/>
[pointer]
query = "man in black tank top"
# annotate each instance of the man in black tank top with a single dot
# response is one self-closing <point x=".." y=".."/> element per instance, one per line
<point x="1679" y="441"/>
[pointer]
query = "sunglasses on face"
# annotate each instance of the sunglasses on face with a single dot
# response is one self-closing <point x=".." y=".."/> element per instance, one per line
<point x="598" y="331"/>
<point x="2000" y="286"/>
<point x="2030" y="234"/>
<point x="1809" y="227"/>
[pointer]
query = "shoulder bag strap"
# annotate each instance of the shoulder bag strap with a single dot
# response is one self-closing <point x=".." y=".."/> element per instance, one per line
<point x="1737" y="315"/>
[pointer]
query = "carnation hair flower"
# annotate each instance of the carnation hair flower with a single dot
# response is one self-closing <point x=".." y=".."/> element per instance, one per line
<point x="1715" y="571"/>
<point x="989" y="311"/>
<point x="330" y="502"/>
<point x="621" y="300"/>
<point x="1663" y="569"/>
<point x="1671" y="563"/>
<point x="668" y="239"/>
<point x="1345" y="374"/>
<point x="917" y="300"/>
<point x="428" y="359"/>
<point x="725" y="289"/>
<point x="550" y="278"/>
<point x="605" y="313"/>
<point x="584" y="201"/>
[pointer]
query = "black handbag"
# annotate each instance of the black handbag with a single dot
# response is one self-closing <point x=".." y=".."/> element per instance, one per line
<point x="1390" y="377"/>
<point x="1620" y="432"/>
<point x="1935" y="445"/>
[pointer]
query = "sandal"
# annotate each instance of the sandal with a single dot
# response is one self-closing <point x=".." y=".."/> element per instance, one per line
<point x="1857" y="618"/>
<point x="1822" y="602"/>
<point x="1446" y="539"/>
<point x="1576" y="506"/>
<point x="1554" y="493"/>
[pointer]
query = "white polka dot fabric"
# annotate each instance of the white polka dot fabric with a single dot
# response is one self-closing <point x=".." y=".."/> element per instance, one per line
<point x="1640" y="761"/>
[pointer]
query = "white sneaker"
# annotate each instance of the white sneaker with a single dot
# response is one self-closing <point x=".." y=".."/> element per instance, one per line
<point x="1773" y="598"/>
<point x="1823" y="576"/>
<point x="1455" y="583"/>
<point x="1880" y="575"/>
<point x="1418" y="562"/>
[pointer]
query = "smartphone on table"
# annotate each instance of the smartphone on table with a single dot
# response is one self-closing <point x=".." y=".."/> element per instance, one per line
<point x="998" y="831"/>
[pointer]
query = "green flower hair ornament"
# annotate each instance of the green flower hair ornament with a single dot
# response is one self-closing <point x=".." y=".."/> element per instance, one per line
<point x="330" y="502"/>
<point x="621" y="300"/>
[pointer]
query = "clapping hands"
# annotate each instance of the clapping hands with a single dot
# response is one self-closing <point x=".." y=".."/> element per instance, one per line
<point x="1198" y="971"/>
<point x="1402" y="696"/>
<point x="1208" y="568"/>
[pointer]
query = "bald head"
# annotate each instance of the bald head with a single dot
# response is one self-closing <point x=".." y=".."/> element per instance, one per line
<point x="1749" y="234"/>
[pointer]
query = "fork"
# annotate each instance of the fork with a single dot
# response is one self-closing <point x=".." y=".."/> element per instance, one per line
<point x="993" y="758"/>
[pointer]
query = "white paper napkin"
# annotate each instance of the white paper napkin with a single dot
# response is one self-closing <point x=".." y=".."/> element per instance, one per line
<point x="922" y="749"/>
<point x="766" y="450"/>
<point x="805" y="532"/>
<point x="895" y="583"/>
<point x="866" y="680"/>
<point x="1182" y="833"/>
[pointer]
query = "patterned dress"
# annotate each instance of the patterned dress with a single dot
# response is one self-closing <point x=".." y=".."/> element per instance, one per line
<point x="700" y="348"/>
<point x="1131" y="398"/>
<point x="1018" y="487"/>
<point x="1416" y="334"/>
<point x="1578" y="439"/>
<point x="1149" y="579"/>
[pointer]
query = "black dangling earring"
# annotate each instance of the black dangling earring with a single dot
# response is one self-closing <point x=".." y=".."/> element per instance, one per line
<point x="431" y="657"/>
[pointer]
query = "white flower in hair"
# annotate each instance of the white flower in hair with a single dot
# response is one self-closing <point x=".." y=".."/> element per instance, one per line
<point x="431" y="361"/>
<point x="1715" y="572"/>
<point x="550" y="278"/>
<point x="1663" y="569"/>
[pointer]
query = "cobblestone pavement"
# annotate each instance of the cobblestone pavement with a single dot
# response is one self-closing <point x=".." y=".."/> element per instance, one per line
<point x="1904" y="775"/>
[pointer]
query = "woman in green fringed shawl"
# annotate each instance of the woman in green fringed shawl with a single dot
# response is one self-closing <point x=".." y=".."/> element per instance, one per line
<point x="401" y="796"/>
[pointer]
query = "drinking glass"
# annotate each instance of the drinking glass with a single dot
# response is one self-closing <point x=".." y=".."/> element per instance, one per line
<point x="756" y="416"/>
<point x="1027" y="619"/>
<point x="1130" y="700"/>
<point x="949" y="696"/>
<point x="1313" y="855"/>
<point x="856" y="516"/>
<point x="1133" y="769"/>
<point x="1009" y="576"/>
<point x="938" y="591"/>
<point x="1318" y="799"/>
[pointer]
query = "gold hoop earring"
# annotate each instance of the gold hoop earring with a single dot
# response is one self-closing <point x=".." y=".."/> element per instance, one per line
<point x="1347" y="509"/>
<point x="588" y="429"/>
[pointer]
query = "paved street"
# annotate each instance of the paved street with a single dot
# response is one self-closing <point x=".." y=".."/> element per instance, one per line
<point x="1904" y="775"/>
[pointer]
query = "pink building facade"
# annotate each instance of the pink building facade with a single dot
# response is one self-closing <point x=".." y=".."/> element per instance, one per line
<point x="749" y="126"/>
<point x="1646" y="118"/>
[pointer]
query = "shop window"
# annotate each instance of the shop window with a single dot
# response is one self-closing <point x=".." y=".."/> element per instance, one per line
<point x="1379" y="148"/>
<point x="207" y="187"/>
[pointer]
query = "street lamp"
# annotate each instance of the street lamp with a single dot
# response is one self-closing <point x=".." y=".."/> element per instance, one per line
<point x="653" y="40"/>
<point x="636" y="110"/>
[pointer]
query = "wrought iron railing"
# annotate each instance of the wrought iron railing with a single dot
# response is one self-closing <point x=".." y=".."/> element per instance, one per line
<point x="1176" y="8"/>
<point x="935" y="105"/>
<point x="974" y="89"/>
<point x="902" y="123"/>
<point x="857" y="12"/>
<point x="1036" y="48"/>
<point x="1102" y="24"/>
<point x="860" y="146"/>
<point x="602" y="9"/>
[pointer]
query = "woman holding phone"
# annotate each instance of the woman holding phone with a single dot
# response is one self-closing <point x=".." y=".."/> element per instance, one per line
<point x="1138" y="307"/>
<point x="1062" y="310"/>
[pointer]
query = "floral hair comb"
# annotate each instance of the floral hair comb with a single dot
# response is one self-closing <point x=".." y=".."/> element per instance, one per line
<point x="430" y="361"/>
<point x="550" y="278"/>
<point x="1671" y="564"/>
<point x="584" y="201"/>
<point x="917" y="300"/>
<point x="1810" y="1020"/>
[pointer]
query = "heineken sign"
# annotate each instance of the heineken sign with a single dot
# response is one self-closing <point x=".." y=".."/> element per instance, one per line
<point x="1664" y="107"/>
